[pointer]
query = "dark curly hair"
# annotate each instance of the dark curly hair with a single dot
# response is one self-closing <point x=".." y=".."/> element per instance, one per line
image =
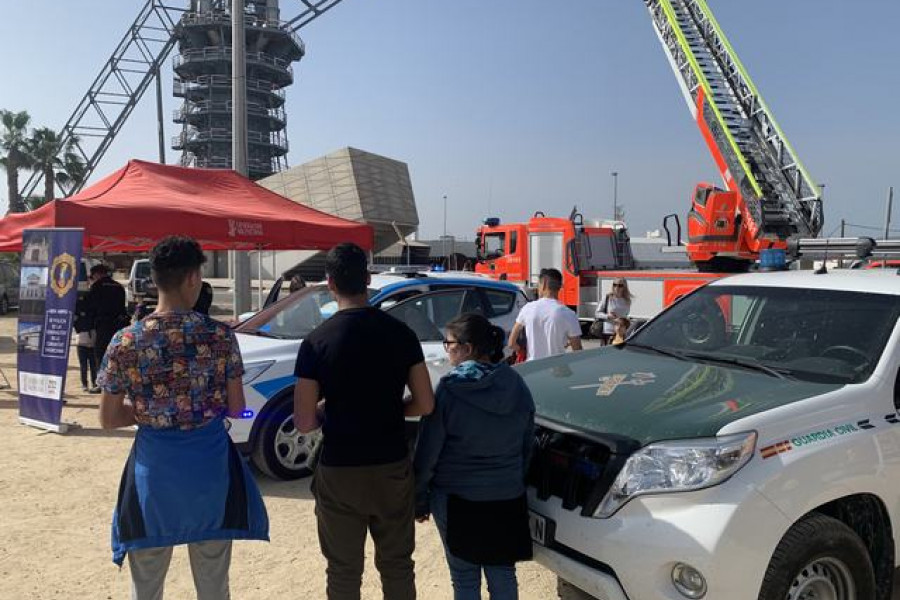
<point x="486" y="338"/>
<point x="173" y="259"/>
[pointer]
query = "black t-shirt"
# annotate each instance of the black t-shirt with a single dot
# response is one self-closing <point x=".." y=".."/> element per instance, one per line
<point x="106" y="303"/>
<point x="361" y="359"/>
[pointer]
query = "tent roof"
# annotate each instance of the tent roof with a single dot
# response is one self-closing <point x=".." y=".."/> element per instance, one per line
<point x="133" y="208"/>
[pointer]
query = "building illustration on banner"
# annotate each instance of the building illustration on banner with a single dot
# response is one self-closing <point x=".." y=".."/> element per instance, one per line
<point x="36" y="251"/>
<point x="29" y="336"/>
<point x="33" y="291"/>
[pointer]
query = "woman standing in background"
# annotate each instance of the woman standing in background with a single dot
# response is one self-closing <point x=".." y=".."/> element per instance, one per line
<point x="617" y="303"/>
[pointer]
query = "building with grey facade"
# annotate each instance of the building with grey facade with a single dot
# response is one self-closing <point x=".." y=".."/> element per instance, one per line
<point x="348" y="183"/>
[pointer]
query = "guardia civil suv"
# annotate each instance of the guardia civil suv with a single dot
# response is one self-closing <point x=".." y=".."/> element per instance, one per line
<point x="743" y="445"/>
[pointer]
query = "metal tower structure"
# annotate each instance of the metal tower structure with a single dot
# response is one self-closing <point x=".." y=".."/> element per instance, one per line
<point x="203" y="79"/>
<point x="137" y="61"/>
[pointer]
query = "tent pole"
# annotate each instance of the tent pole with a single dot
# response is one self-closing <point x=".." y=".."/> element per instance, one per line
<point x="259" y="302"/>
<point x="243" y="296"/>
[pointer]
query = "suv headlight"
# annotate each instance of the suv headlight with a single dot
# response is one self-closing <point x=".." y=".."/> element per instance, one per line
<point x="254" y="370"/>
<point x="678" y="466"/>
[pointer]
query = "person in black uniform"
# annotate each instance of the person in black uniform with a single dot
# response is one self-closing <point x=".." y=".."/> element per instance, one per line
<point x="105" y="303"/>
<point x="204" y="301"/>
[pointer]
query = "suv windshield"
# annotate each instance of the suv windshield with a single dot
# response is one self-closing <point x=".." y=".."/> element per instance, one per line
<point x="817" y="335"/>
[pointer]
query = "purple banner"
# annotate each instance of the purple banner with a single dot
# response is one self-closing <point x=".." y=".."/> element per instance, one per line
<point x="47" y="294"/>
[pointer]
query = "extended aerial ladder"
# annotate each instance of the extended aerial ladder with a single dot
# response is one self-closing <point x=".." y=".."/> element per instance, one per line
<point x="770" y="197"/>
<point x="134" y="64"/>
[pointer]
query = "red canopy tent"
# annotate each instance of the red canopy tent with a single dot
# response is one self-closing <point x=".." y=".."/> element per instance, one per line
<point x="143" y="202"/>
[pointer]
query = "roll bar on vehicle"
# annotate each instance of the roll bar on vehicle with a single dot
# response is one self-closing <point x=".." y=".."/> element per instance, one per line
<point x="825" y="248"/>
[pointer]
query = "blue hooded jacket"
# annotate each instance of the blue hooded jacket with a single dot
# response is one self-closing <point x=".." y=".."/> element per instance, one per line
<point x="478" y="441"/>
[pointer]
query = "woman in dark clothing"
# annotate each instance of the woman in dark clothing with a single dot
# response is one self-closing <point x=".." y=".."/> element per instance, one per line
<point x="84" y="343"/>
<point x="471" y="461"/>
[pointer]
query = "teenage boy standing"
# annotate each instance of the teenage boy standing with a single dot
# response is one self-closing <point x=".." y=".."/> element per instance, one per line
<point x="360" y="361"/>
<point x="184" y="482"/>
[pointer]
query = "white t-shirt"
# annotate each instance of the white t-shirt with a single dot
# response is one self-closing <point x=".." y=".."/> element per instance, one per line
<point x="548" y="326"/>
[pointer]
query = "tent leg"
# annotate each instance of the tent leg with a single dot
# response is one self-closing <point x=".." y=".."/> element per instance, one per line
<point x="259" y="302"/>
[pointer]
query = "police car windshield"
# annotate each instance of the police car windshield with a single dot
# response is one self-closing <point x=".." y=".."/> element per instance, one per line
<point x="815" y="335"/>
<point x="295" y="316"/>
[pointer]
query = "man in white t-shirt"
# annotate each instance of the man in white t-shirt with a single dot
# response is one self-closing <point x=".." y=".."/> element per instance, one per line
<point x="549" y="325"/>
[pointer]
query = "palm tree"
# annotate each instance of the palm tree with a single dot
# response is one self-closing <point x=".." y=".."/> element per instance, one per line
<point x="56" y="161"/>
<point x="14" y="144"/>
<point x="74" y="169"/>
<point x="33" y="202"/>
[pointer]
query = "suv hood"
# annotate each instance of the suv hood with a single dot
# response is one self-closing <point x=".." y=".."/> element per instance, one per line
<point x="255" y="347"/>
<point x="651" y="398"/>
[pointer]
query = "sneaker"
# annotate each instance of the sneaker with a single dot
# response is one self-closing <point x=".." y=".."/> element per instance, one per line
<point x="95" y="390"/>
<point x="84" y="389"/>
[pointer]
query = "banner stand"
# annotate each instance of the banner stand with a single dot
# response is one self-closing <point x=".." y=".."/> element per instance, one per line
<point x="55" y="428"/>
<point x="48" y="290"/>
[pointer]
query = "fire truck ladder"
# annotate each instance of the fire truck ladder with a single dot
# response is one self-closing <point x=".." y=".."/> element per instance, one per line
<point x="761" y="165"/>
<point x="122" y="81"/>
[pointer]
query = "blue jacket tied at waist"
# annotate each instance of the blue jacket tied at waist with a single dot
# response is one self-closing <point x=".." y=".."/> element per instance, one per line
<point x="183" y="486"/>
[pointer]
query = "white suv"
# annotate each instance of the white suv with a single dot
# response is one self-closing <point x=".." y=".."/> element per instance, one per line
<point x="140" y="286"/>
<point x="743" y="445"/>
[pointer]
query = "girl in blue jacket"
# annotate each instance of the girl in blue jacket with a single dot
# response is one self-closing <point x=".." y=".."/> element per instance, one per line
<point x="471" y="461"/>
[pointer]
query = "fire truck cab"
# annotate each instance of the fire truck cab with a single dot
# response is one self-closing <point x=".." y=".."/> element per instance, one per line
<point x="517" y="252"/>
<point x="590" y="256"/>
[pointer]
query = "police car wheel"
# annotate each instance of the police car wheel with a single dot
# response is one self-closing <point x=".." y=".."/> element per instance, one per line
<point x="567" y="591"/>
<point x="822" y="558"/>
<point x="281" y="452"/>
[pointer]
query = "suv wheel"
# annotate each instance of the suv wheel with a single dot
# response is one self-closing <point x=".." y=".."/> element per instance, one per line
<point x="4" y="305"/>
<point x="280" y="450"/>
<point x="567" y="591"/>
<point x="819" y="557"/>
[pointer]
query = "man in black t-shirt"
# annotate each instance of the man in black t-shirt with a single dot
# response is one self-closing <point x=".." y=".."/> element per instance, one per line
<point x="360" y="361"/>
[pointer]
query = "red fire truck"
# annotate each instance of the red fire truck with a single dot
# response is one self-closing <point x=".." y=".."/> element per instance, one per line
<point x="590" y="256"/>
<point x="768" y="197"/>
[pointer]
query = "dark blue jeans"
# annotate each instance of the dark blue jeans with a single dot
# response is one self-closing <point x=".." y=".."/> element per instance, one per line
<point x="466" y="576"/>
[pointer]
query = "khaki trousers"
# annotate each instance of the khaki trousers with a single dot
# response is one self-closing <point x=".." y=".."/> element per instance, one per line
<point x="354" y="501"/>
<point x="209" y="566"/>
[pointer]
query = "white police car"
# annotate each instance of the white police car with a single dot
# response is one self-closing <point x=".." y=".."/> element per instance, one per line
<point x="269" y="342"/>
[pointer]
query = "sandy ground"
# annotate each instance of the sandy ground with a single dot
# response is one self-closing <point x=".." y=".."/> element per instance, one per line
<point x="56" y="500"/>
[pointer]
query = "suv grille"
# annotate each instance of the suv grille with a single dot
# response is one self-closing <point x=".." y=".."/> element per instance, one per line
<point x="577" y="470"/>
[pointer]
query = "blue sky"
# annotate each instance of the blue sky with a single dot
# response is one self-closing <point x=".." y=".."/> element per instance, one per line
<point x="513" y="106"/>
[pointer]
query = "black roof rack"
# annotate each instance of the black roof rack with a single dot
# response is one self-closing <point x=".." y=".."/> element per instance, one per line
<point x="825" y="248"/>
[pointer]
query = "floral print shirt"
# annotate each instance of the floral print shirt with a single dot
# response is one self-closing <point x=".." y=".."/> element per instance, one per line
<point x="174" y="367"/>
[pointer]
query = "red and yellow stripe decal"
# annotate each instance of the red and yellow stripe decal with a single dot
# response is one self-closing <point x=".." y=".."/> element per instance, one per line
<point x="779" y="448"/>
